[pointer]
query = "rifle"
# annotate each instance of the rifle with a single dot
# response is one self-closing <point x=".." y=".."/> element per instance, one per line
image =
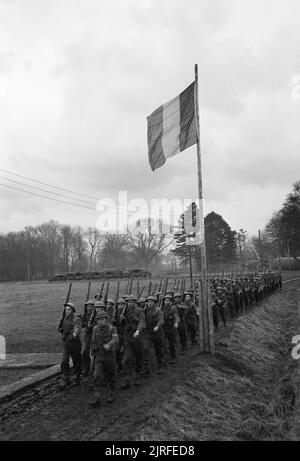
<point x="137" y="288"/>
<point x="64" y="311"/>
<point x="106" y="294"/>
<point x="101" y="291"/>
<point x="127" y="288"/>
<point x="140" y="293"/>
<point x="160" y="285"/>
<point x="86" y="299"/>
<point x="164" y="292"/>
<point x="117" y="292"/>
<point x="154" y="289"/>
<point x="130" y="286"/>
<point x="149" y="290"/>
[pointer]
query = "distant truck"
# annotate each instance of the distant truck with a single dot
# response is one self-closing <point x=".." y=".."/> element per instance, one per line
<point x="103" y="274"/>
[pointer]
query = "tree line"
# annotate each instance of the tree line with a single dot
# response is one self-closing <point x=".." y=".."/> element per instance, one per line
<point x="281" y="236"/>
<point x="38" y="253"/>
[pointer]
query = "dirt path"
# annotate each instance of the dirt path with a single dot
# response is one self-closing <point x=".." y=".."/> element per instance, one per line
<point x="142" y="412"/>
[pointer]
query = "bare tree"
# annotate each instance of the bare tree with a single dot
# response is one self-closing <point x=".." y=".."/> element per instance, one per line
<point x="147" y="246"/>
<point x="93" y="239"/>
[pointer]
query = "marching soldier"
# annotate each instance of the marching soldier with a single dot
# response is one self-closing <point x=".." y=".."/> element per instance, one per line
<point x="104" y="340"/>
<point x="171" y="321"/>
<point x="120" y="325"/>
<point x="87" y="334"/>
<point x="70" y="329"/>
<point x="110" y="309"/>
<point x="134" y="322"/>
<point x="190" y="317"/>
<point x="182" y="327"/>
<point x="141" y="303"/>
<point x="153" y="334"/>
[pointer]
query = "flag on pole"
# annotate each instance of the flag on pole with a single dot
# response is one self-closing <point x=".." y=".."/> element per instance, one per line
<point x="172" y="128"/>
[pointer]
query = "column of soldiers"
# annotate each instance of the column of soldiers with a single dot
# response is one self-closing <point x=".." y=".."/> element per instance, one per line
<point x="118" y="337"/>
<point x="233" y="296"/>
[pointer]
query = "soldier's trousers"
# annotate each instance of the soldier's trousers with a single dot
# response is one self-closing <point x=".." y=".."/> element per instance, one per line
<point x="133" y="355"/>
<point x="85" y="352"/>
<point x="191" y="327"/>
<point x="182" y="331"/>
<point x="157" y="340"/>
<point x="120" y="353"/>
<point x="71" y="349"/>
<point x="215" y="313"/>
<point x="104" y="372"/>
<point x="170" y="335"/>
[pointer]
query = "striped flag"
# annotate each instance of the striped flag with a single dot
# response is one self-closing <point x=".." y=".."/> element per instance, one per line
<point x="172" y="128"/>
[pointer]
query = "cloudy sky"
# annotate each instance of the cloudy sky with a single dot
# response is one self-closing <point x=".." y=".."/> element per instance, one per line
<point x="79" y="77"/>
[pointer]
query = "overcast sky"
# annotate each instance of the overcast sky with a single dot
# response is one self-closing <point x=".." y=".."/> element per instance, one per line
<point x="79" y="77"/>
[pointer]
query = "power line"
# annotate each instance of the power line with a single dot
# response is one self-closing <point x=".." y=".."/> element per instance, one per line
<point x="116" y="206"/>
<point x="49" y="185"/>
<point x="45" y="190"/>
<point x="44" y="196"/>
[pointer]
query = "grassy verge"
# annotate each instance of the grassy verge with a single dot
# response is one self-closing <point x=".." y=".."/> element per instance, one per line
<point x="246" y="392"/>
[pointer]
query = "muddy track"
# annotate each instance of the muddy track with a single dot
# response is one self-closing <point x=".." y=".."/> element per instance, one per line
<point x="48" y="413"/>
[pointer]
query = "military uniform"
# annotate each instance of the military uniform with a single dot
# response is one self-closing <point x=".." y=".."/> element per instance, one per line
<point x="153" y="335"/>
<point x="120" y="325"/>
<point x="182" y="327"/>
<point x="70" y="329"/>
<point x="104" y="340"/>
<point x="134" y="323"/>
<point x="191" y="320"/>
<point x="171" y="321"/>
<point x="87" y="334"/>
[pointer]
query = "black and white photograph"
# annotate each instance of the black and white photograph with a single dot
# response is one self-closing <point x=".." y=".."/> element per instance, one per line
<point x="150" y="223"/>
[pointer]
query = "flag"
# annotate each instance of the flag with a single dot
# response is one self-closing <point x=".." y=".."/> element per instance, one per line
<point x="172" y="128"/>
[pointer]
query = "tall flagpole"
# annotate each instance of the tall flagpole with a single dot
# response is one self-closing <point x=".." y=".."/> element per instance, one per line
<point x="206" y="329"/>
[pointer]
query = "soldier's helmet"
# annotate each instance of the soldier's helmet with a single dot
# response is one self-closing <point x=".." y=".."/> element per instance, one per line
<point x="169" y="292"/>
<point x="168" y="296"/>
<point x="121" y="301"/>
<point x="110" y="301"/>
<point x="99" y="304"/>
<point x="141" y="300"/>
<point x="159" y="293"/>
<point x="188" y="293"/>
<point x="177" y="295"/>
<point x="101" y="315"/>
<point x="71" y="305"/>
<point x="131" y="298"/>
<point x="89" y="301"/>
<point x="151" y="298"/>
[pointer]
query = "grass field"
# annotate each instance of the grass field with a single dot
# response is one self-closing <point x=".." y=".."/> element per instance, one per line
<point x="29" y="313"/>
<point x="32" y="327"/>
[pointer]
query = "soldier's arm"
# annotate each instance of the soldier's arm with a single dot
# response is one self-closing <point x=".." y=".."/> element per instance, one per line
<point x="142" y="322"/>
<point x="160" y="318"/>
<point x="176" y="315"/>
<point x="114" y="338"/>
<point x="93" y="340"/>
<point x="77" y="326"/>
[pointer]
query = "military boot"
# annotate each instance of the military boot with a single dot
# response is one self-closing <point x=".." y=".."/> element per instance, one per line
<point x="95" y="403"/>
<point x="137" y="381"/>
<point x="65" y="383"/>
<point x="159" y="369"/>
<point x="77" y="381"/>
<point x="110" y="396"/>
<point x="126" y="383"/>
<point x="145" y="371"/>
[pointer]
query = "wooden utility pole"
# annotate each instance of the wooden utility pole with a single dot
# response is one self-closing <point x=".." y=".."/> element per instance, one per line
<point x="260" y="251"/>
<point x="205" y="312"/>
